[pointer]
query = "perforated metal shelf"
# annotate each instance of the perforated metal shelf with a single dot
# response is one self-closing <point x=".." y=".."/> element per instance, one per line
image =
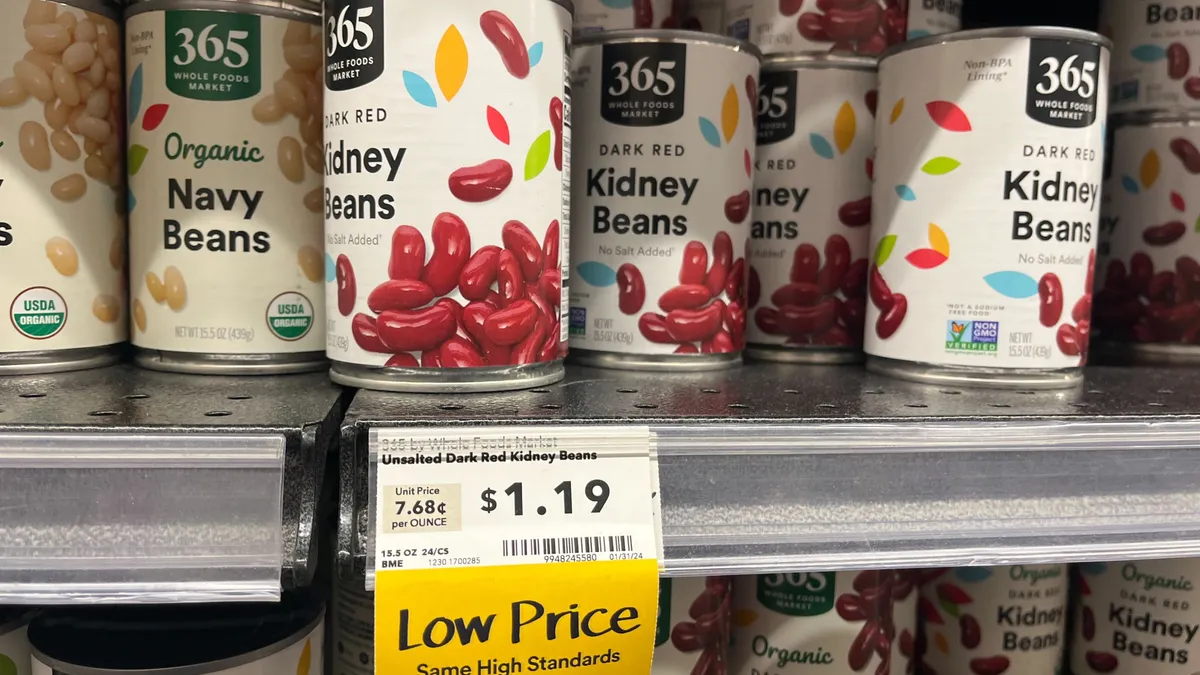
<point x="127" y="485"/>
<point x="773" y="467"/>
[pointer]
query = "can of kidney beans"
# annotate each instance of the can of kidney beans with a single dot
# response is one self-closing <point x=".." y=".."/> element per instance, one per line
<point x="986" y="200"/>
<point x="1008" y="619"/>
<point x="447" y="159"/>
<point x="692" y="636"/>
<point x="225" y="228"/>
<point x="601" y="15"/>
<point x="836" y="623"/>
<point x="1148" y="295"/>
<point x="1156" y="56"/>
<point x="661" y="199"/>
<point x="1136" y="618"/>
<point x="62" y="186"/>
<point x="864" y="27"/>
<point x="812" y="208"/>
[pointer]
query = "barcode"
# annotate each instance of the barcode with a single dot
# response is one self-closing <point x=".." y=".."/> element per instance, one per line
<point x="566" y="545"/>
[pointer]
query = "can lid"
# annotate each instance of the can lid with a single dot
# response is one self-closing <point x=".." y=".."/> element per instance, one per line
<point x="1044" y="32"/>
<point x="1147" y="118"/>
<point x="667" y="35"/>
<point x="166" y="639"/>
<point x="307" y="8"/>
<point x="819" y="60"/>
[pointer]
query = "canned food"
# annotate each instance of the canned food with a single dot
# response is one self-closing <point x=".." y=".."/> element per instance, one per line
<point x="705" y="15"/>
<point x="234" y="639"/>
<point x="692" y="636"/>
<point x="600" y="15"/>
<point x="62" y="223"/>
<point x="835" y="623"/>
<point x="990" y="149"/>
<point x="1156" y="51"/>
<point x="449" y="270"/>
<point x="1136" y="618"/>
<point x="863" y="27"/>
<point x="14" y="641"/>
<point x="662" y="199"/>
<point x="983" y="620"/>
<point x="1148" y="295"/>
<point x="352" y="623"/>
<point x="812" y="208"/>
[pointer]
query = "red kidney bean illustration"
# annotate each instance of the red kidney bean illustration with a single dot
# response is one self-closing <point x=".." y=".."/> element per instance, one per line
<point x="504" y="36"/>
<point x="1050" y="294"/>
<point x="799" y="294"/>
<point x="1161" y="235"/>
<point x="856" y="213"/>
<point x="1187" y="154"/>
<point x="853" y="313"/>
<point x="890" y="319"/>
<point x="735" y="320"/>
<point x="1101" y="662"/>
<point x="512" y="324"/>
<point x="871" y="99"/>
<point x="347" y="286"/>
<point x="518" y="239"/>
<point x="826" y="5"/>
<point x="408" y="253"/>
<point x="1082" y="310"/>
<point x="837" y="262"/>
<point x="431" y="358"/>
<point x="694" y="268"/>
<point x="1191" y="87"/>
<point x="1088" y="624"/>
<point x="481" y="182"/>
<point x="416" y="330"/>
<point x="721" y="343"/>
<point x="861" y="648"/>
<point x="399" y="294"/>
<point x="509" y="277"/>
<point x="550" y="246"/>
<point x="1068" y="340"/>
<point x="460" y="353"/>
<point x="811" y="27"/>
<point x="992" y="665"/>
<point x="544" y="310"/>
<point x="849" y="606"/>
<point x="527" y="350"/>
<point x="402" y="360"/>
<point x="895" y="24"/>
<point x="687" y="348"/>
<point x="722" y="251"/>
<point x="836" y="336"/>
<point x="752" y="95"/>
<point x="654" y="328"/>
<point x="708" y="602"/>
<point x="549" y="351"/>
<point x="907" y="644"/>
<point x="871" y="580"/>
<point x="457" y="310"/>
<point x="451" y="249"/>
<point x="737" y="206"/>
<point x="685" y="296"/>
<point x="790" y="7"/>
<point x="1141" y="268"/>
<point x="857" y="24"/>
<point x="366" y="335"/>
<point x="855" y="280"/>
<point x="631" y="289"/>
<point x="685" y="638"/>
<point x="969" y="633"/>
<point x="794" y="320"/>
<point x="767" y="320"/>
<point x="1178" y="61"/>
<point x="556" y="123"/>
<point x="736" y="279"/>
<point x="1114" y="274"/>
<point x="1161" y="286"/>
<point x="550" y="287"/>
<point x="874" y="44"/>
<point x="479" y="273"/>
<point x="1187" y="272"/>
<point x="643" y="14"/>
<point x="694" y="325"/>
<point x="753" y="287"/>
<point x="805" y="264"/>
<point x="475" y="315"/>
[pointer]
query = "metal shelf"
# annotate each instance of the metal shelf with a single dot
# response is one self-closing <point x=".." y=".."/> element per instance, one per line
<point x="773" y="467"/>
<point x="125" y="485"/>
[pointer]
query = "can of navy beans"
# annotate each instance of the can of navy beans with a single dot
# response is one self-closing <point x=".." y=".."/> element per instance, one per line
<point x="1156" y="54"/>
<point x="986" y="207"/>
<point x="447" y="190"/>
<point x="1147" y="307"/>
<point x="661" y="199"/>
<point x="812" y="208"/>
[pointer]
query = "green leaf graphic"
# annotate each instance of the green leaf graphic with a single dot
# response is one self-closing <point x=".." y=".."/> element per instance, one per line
<point x="939" y="166"/>
<point x="1198" y="223"/>
<point x="137" y="155"/>
<point x="950" y="607"/>
<point x="539" y="153"/>
<point x="883" y="250"/>
<point x="7" y="665"/>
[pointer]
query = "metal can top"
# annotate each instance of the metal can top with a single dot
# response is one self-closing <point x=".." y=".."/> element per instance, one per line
<point x="773" y="62"/>
<point x="109" y="8"/>
<point x="307" y="9"/>
<point x="1155" y="118"/>
<point x="1043" y="32"/>
<point x="668" y="35"/>
<point x="567" y="5"/>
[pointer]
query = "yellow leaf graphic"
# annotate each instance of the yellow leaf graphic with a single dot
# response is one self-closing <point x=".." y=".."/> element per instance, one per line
<point x="744" y="617"/>
<point x="729" y="113"/>
<point x="305" y="661"/>
<point x="938" y="240"/>
<point x="896" y="111"/>
<point x="450" y="62"/>
<point x="844" y="126"/>
<point x="940" y="641"/>
<point x="1149" y="169"/>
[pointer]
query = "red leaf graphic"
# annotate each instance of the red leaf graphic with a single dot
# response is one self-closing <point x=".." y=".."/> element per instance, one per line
<point x="497" y="124"/>
<point x="953" y="594"/>
<point x="1177" y="202"/>
<point x="925" y="258"/>
<point x="1084" y="588"/>
<point x="154" y="116"/>
<point x="948" y="116"/>
<point x="749" y="164"/>
<point x="929" y="612"/>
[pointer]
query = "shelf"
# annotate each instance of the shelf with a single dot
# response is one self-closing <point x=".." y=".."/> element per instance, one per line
<point x="125" y="485"/>
<point x="771" y="467"/>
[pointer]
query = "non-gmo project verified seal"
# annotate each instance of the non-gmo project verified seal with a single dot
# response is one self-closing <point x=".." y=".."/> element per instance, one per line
<point x="972" y="336"/>
<point x="578" y="325"/>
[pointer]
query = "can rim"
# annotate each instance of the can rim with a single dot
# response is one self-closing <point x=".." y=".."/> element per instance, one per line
<point x="302" y="9"/>
<point x="773" y="62"/>
<point x="568" y="5"/>
<point x="1004" y="32"/>
<point x="668" y="35"/>
<point x="108" y="8"/>
<point x="1146" y="118"/>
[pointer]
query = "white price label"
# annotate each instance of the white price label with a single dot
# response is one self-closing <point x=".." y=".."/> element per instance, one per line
<point x="475" y="496"/>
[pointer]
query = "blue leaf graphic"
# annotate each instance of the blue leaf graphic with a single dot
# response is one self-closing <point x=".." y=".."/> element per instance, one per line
<point x="820" y="146"/>
<point x="135" y="95"/>
<point x="710" y="133"/>
<point x="904" y="192"/>
<point x="330" y="269"/>
<point x="1012" y="284"/>
<point x="617" y="4"/>
<point x="597" y="274"/>
<point x="1092" y="568"/>
<point x="918" y="33"/>
<point x="130" y="202"/>
<point x="1148" y="53"/>
<point x="1129" y="184"/>
<point x="419" y="89"/>
<point x="972" y="574"/>
<point x="535" y="53"/>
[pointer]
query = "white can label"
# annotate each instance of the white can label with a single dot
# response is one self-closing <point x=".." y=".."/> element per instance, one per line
<point x="447" y="172"/>
<point x="1136" y="618"/>
<point x="662" y="196"/>
<point x="352" y="628"/>
<point x="706" y="15"/>
<point x="62" y="186"/>
<point x="14" y="651"/>
<point x="692" y="636"/>
<point x="824" y="623"/>
<point x="1156" y="48"/>
<point x="812" y="207"/>
<point x="991" y="620"/>
<point x="986" y="202"/>
<point x="1149" y="251"/>
<point x="225" y="224"/>
<point x="600" y="15"/>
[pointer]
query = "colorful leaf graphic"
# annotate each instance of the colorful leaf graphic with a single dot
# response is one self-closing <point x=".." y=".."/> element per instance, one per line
<point x="1129" y="184"/>
<point x="419" y="89"/>
<point x="948" y="116"/>
<point x="1084" y="587"/>
<point x="130" y="201"/>
<point x="538" y="155"/>
<point x="136" y="155"/>
<point x="1177" y="201"/>
<point x="820" y="146"/>
<point x="1197" y="227"/>
<point x="135" y="95"/>
<point x="154" y="116"/>
<point x="904" y="192"/>
<point x="938" y="240"/>
<point x="897" y="110"/>
<point x="330" y="269"/>
<point x="925" y="258"/>
<point x="596" y="273"/>
<point x="710" y="133"/>
<point x="729" y="113"/>
<point x="748" y="162"/>
<point x="939" y="641"/>
<point x="972" y="574"/>
<point x="928" y="612"/>
<point x="917" y="33"/>
<point x="7" y="665"/>
<point x="1148" y="53"/>
<point x="952" y="593"/>
<point x="617" y="4"/>
<point x="950" y="608"/>
<point x="939" y="166"/>
<point x="305" y="661"/>
<point x="1093" y="568"/>
<point x="1149" y="169"/>
<point x="450" y="63"/>
<point x="1010" y="284"/>
<point x="497" y="124"/>
<point x="883" y="250"/>
<point x="844" y="126"/>
<point x="535" y="53"/>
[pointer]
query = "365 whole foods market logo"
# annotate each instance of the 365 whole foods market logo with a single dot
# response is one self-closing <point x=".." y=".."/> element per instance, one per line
<point x="213" y="56"/>
<point x="38" y="312"/>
